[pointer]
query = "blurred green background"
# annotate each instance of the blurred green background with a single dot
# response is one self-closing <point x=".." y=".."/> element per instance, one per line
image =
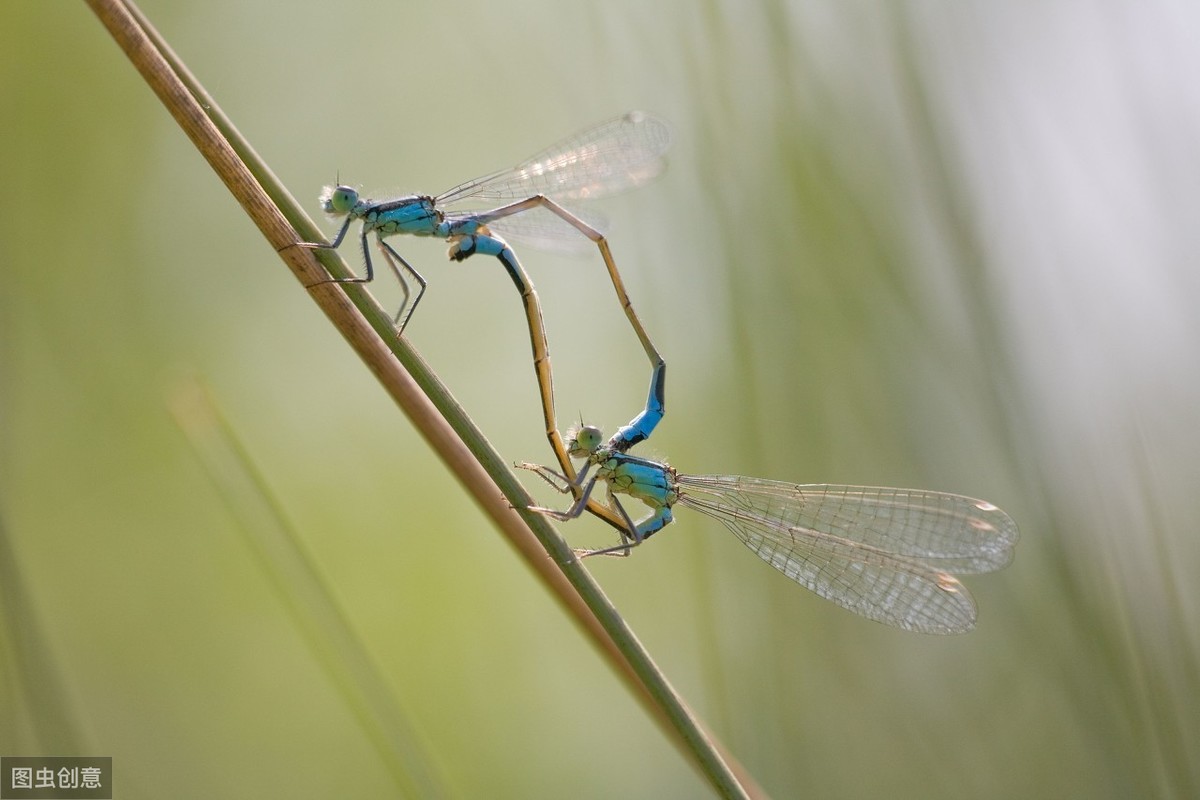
<point x="941" y="245"/>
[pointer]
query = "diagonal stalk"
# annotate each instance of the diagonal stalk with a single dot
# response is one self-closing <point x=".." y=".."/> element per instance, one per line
<point x="410" y="382"/>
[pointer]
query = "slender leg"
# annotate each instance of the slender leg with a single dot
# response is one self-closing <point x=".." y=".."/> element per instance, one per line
<point x="560" y="483"/>
<point x="631" y="533"/>
<point x="334" y="245"/>
<point x="577" y="508"/>
<point x="634" y="534"/>
<point x="391" y="256"/>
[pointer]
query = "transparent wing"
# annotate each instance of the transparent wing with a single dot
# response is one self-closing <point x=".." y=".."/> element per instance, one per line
<point x="886" y="554"/>
<point x="609" y="158"/>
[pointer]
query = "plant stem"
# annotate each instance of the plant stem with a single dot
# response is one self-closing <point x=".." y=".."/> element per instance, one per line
<point x="410" y="382"/>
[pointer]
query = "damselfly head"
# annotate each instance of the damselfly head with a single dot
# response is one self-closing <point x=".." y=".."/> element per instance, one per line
<point x="582" y="440"/>
<point x="338" y="200"/>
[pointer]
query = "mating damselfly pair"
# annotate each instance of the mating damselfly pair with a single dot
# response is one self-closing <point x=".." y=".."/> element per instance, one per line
<point x="887" y="554"/>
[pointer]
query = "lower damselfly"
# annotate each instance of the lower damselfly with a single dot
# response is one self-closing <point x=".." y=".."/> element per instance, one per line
<point x="887" y="554"/>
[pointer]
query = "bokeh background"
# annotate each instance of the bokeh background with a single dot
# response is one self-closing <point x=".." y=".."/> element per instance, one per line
<point x="931" y="244"/>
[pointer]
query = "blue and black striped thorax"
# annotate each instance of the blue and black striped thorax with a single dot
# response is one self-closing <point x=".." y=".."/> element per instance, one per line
<point x="652" y="482"/>
<point x="416" y="215"/>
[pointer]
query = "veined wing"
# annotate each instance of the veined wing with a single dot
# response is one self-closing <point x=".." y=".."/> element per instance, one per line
<point x="613" y="156"/>
<point x="886" y="554"/>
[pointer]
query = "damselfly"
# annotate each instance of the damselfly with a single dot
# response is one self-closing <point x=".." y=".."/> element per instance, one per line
<point x="611" y="157"/>
<point x="887" y="554"/>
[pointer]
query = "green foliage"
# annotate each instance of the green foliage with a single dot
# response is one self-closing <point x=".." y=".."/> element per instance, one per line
<point x="892" y="248"/>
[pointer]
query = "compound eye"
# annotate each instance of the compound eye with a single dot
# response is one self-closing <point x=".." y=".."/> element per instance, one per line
<point x="588" y="437"/>
<point x="338" y="199"/>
